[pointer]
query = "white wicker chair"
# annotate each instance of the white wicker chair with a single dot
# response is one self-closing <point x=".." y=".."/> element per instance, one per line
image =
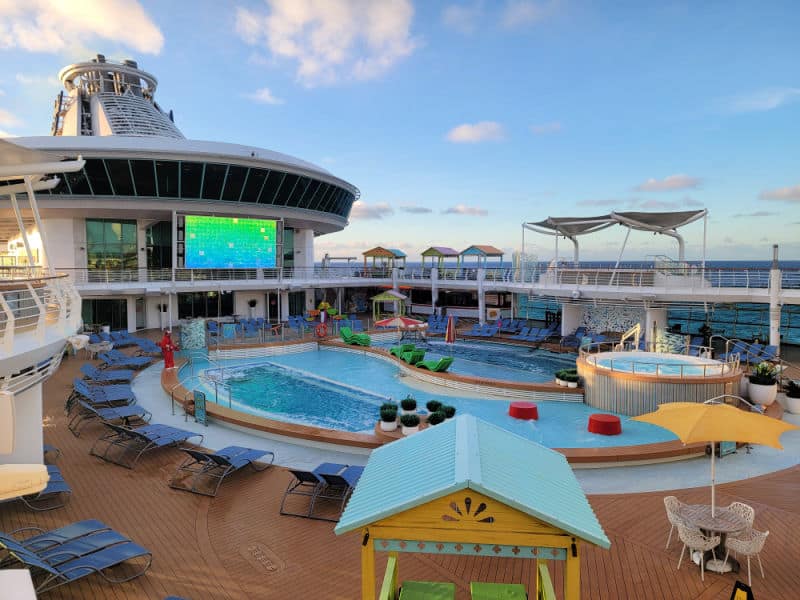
<point x="744" y="511"/>
<point x="673" y="506"/>
<point x="748" y="543"/>
<point x="693" y="539"/>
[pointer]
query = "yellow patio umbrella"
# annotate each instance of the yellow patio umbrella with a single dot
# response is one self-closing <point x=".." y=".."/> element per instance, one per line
<point x="713" y="421"/>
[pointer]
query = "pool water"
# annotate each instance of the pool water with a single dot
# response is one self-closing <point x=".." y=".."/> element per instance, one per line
<point x="508" y="362"/>
<point x="344" y="390"/>
<point x="652" y="363"/>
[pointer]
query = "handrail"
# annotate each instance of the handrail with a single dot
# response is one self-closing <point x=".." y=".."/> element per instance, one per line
<point x="729" y="366"/>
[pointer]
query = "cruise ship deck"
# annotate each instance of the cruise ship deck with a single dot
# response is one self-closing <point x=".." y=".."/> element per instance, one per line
<point x="238" y="546"/>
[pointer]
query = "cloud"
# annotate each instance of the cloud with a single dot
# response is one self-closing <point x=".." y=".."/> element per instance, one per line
<point x="787" y="194"/>
<point x="545" y="128"/>
<point x="460" y="209"/>
<point x="519" y="13"/>
<point x="763" y="100"/>
<point x="7" y="119"/>
<point x="264" y="96"/>
<point x="758" y="213"/>
<point x="362" y="211"/>
<point x="668" y="184"/>
<point x="50" y="26"/>
<point x="470" y="133"/>
<point x="416" y="210"/>
<point x="331" y="40"/>
<point x="461" y="18"/>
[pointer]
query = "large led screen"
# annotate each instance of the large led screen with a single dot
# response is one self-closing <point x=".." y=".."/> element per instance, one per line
<point x="229" y="243"/>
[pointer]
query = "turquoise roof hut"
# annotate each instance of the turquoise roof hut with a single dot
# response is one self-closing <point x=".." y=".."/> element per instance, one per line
<point x="470" y="488"/>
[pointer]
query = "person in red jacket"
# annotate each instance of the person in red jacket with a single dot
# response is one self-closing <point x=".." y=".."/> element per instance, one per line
<point x="168" y="348"/>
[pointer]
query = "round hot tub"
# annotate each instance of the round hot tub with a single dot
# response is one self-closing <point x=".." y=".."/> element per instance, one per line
<point x="634" y="383"/>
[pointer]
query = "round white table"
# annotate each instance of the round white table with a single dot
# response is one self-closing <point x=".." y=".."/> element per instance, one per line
<point x="723" y="522"/>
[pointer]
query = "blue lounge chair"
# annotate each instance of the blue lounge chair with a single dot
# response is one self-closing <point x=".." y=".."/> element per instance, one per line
<point x="313" y="485"/>
<point x="523" y="333"/>
<point x="753" y="353"/>
<point x="99" y="395"/>
<point x="739" y="347"/>
<point x="769" y="353"/>
<point x="695" y="345"/>
<point x="129" y="441"/>
<point x="120" y="360"/>
<point x="42" y="540"/>
<point x="357" y="325"/>
<point x="476" y="330"/>
<point x="213" y="467"/>
<point x="113" y="375"/>
<point x="49" y="449"/>
<point x="147" y="347"/>
<point x="76" y="558"/>
<point x="54" y="495"/>
<point x="339" y="487"/>
<point x="130" y="415"/>
<point x="122" y="339"/>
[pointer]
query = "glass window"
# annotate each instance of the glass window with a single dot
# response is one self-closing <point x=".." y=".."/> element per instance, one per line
<point x="286" y="189"/>
<point x="299" y="190"/>
<point x="120" y="177"/>
<point x="78" y="183"/>
<point x="308" y="194"/>
<point x="96" y="172"/>
<point x="159" y="245"/>
<point x="255" y="181"/>
<point x="111" y="244"/>
<point x="144" y="177"/>
<point x="288" y="247"/>
<point x="320" y="196"/>
<point x="271" y="187"/>
<point x="167" y="176"/>
<point x="328" y="200"/>
<point x="191" y="176"/>
<point x="213" y="180"/>
<point x="234" y="183"/>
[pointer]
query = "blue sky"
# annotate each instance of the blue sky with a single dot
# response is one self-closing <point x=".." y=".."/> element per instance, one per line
<point x="460" y="120"/>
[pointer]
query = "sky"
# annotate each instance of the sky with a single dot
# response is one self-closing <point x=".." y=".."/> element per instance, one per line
<point x="459" y="121"/>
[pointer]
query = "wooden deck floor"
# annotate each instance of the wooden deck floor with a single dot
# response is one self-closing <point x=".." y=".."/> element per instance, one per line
<point x="237" y="546"/>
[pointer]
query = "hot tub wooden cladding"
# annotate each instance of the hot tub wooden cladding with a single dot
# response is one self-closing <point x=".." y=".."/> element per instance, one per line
<point x="635" y="394"/>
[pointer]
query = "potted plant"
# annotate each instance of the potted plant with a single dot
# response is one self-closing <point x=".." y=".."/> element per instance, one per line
<point x="436" y="417"/>
<point x="560" y="377"/>
<point x="252" y="304"/>
<point x="763" y="384"/>
<point x="793" y="397"/>
<point x="572" y="379"/>
<point x="410" y="423"/>
<point x="433" y="406"/>
<point x="408" y="405"/>
<point x="449" y="411"/>
<point x="388" y="417"/>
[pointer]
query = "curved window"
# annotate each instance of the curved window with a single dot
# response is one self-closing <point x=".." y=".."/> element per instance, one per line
<point x="208" y="181"/>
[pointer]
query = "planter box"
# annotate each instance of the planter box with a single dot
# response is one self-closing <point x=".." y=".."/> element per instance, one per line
<point x="409" y="430"/>
<point x="793" y="405"/>
<point x="763" y="394"/>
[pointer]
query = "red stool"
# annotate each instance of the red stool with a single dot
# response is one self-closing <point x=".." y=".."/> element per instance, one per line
<point x="604" y="424"/>
<point x="523" y="410"/>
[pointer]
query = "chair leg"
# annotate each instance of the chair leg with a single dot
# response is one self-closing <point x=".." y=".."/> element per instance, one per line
<point x="702" y="567"/>
<point x="760" y="566"/>
<point x="681" y="558"/>
<point x="748" y="571"/>
<point x="669" y="537"/>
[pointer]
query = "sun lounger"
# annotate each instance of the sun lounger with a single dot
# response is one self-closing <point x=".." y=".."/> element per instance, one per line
<point x="523" y="333"/>
<point x="739" y="347"/>
<point x="399" y="350"/>
<point x="130" y="415"/>
<point x="99" y="395"/>
<point x="768" y="353"/>
<point x="115" y="361"/>
<point x="42" y="540"/>
<point x="129" y="441"/>
<point x="75" y="558"/>
<point x="214" y="467"/>
<point x="309" y="484"/>
<point x="437" y="366"/>
<point x="476" y="330"/>
<point x="413" y="357"/>
<point x="358" y="339"/>
<point x="110" y="376"/>
<point x="339" y="487"/>
<point x="753" y="353"/>
<point x="54" y="495"/>
<point x="48" y="449"/>
<point x="147" y="347"/>
<point x="121" y="339"/>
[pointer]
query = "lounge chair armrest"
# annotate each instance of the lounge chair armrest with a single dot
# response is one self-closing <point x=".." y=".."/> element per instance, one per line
<point x="30" y="528"/>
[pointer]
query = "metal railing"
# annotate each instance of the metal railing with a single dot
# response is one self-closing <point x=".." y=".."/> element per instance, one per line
<point x="37" y="306"/>
<point x="660" y="275"/>
<point x="659" y="368"/>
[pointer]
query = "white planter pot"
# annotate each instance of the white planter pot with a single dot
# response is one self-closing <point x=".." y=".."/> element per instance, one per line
<point x="403" y="411"/>
<point x="561" y="382"/>
<point x="763" y="394"/>
<point x="793" y="405"/>
<point x="388" y="425"/>
<point x="572" y="384"/>
<point x="409" y="430"/>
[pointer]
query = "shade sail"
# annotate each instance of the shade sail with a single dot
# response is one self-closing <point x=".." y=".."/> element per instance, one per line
<point x="643" y="221"/>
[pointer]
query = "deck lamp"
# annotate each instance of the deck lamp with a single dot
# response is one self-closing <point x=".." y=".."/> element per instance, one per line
<point x="16" y="480"/>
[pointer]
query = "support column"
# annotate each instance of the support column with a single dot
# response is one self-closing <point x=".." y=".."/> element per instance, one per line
<point x="28" y="437"/>
<point x="434" y="288"/>
<point x="130" y="309"/>
<point x="572" y="573"/>
<point x="481" y="298"/>
<point x="775" y="300"/>
<point x="283" y="305"/>
<point x="655" y="320"/>
<point x="367" y="568"/>
<point x="571" y="317"/>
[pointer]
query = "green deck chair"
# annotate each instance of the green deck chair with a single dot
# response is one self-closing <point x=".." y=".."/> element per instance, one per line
<point x="437" y="366"/>
<point x="427" y="590"/>
<point x="358" y="339"/>
<point x="413" y="357"/>
<point x="399" y="350"/>
<point x="497" y="591"/>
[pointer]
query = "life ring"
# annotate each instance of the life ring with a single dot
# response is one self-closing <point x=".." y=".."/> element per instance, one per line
<point x="321" y="330"/>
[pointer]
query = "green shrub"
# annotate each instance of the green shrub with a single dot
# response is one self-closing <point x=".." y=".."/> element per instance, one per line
<point x="409" y="420"/>
<point x="436" y="417"/>
<point x="793" y="389"/>
<point x="764" y="374"/>
<point x="433" y="406"/>
<point x="408" y="403"/>
<point x="388" y="414"/>
<point x="449" y="411"/>
<point x="389" y="405"/>
<point x="570" y="377"/>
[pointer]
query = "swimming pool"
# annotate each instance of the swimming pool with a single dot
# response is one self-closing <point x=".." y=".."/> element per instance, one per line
<point x="659" y="363"/>
<point x="507" y="362"/>
<point x="342" y="390"/>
